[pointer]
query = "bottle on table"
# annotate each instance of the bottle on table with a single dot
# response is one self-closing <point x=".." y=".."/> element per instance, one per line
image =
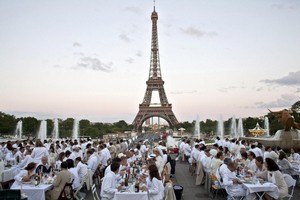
<point x="137" y="186"/>
<point x="126" y="180"/>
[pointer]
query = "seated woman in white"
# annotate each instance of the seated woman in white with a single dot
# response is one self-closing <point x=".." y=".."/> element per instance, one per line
<point x="26" y="174"/>
<point x="295" y="156"/>
<point x="155" y="186"/>
<point x="74" y="174"/>
<point x="28" y="159"/>
<point x="272" y="174"/>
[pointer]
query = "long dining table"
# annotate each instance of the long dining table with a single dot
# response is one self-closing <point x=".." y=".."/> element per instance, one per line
<point x="31" y="191"/>
<point x="259" y="189"/>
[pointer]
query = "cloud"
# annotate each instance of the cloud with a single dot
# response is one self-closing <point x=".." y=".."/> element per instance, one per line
<point x="134" y="10"/>
<point x="197" y="33"/>
<point x="298" y="90"/>
<point x="139" y="54"/>
<point x="76" y="44"/>
<point x="293" y="78"/>
<point x="129" y="60"/>
<point x="260" y="89"/>
<point x="124" y="37"/>
<point x="93" y="63"/>
<point x="57" y="66"/>
<point x="184" y="92"/>
<point x="78" y="54"/>
<point x="285" y="6"/>
<point x="227" y="89"/>
<point x="286" y="100"/>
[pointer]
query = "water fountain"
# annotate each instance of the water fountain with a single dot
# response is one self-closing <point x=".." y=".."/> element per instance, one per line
<point x="266" y="126"/>
<point x="75" y="129"/>
<point x="42" y="134"/>
<point x="55" y="132"/>
<point x="19" y="129"/>
<point x="240" y="129"/>
<point x="197" y="128"/>
<point x="233" y="129"/>
<point x="220" y="130"/>
<point x="285" y="138"/>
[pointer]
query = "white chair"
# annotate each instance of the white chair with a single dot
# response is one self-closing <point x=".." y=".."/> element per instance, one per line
<point x="290" y="183"/>
<point x="84" y="180"/>
<point x="94" y="192"/>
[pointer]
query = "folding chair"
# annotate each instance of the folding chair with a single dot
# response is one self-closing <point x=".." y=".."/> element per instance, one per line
<point x="216" y="187"/>
<point x="291" y="183"/>
<point x="67" y="192"/>
<point x="94" y="192"/>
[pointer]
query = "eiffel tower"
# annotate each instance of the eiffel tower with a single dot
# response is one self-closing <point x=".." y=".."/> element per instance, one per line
<point x="154" y="83"/>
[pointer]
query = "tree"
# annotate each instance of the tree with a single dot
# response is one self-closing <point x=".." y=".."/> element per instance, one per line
<point x="7" y="123"/>
<point x="30" y="126"/>
<point x="296" y="107"/>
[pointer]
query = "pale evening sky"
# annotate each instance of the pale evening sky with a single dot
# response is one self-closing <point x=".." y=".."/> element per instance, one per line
<point x="90" y="59"/>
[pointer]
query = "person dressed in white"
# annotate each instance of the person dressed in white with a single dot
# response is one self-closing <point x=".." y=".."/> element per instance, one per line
<point x="109" y="185"/>
<point x="232" y="184"/>
<point x="270" y="153"/>
<point x="26" y="174"/>
<point x="154" y="186"/>
<point x="39" y="151"/>
<point x="158" y="161"/>
<point x="82" y="169"/>
<point x="251" y="166"/>
<point x="28" y="159"/>
<point x="295" y="156"/>
<point x="92" y="162"/>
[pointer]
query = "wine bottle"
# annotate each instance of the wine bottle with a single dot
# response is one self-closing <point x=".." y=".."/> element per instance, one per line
<point x="137" y="187"/>
<point x="126" y="180"/>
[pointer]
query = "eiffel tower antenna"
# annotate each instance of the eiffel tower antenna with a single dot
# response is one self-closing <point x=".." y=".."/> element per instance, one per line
<point x="154" y="83"/>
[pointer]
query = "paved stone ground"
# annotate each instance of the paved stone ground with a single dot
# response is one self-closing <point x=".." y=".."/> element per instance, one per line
<point x="191" y="191"/>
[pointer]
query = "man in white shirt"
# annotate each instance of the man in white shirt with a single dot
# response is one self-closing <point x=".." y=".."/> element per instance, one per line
<point x="109" y="185"/>
<point x="232" y="184"/>
<point x="82" y="169"/>
<point x="270" y="153"/>
<point x="251" y="166"/>
<point x="92" y="163"/>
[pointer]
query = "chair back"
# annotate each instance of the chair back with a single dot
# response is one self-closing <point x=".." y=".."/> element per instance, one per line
<point x="289" y="180"/>
<point x="67" y="192"/>
<point x="94" y="192"/>
<point x="291" y="183"/>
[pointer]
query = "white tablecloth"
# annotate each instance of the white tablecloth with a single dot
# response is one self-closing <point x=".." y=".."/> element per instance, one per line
<point x="9" y="174"/>
<point x="269" y="188"/>
<point x="131" y="196"/>
<point x="31" y="191"/>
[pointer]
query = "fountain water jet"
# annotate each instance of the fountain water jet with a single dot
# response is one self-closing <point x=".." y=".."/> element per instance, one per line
<point x="240" y="128"/>
<point x="75" y="129"/>
<point x="197" y="127"/>
<point x="55" y="132"/>
<point x="220" y="130"/>
<point x="266" y="126"/>
<point x="19" y="129"/>
<point x="42" y="134"/>
<point x="233" y="129"/>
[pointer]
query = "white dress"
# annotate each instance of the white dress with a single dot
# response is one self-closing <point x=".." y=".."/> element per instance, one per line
<point x="156" y="189"/>
<point x="38" y="153"/>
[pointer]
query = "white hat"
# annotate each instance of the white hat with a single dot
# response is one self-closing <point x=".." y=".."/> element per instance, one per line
<point x="120" y="155"/>
<point x="213" y="152"/>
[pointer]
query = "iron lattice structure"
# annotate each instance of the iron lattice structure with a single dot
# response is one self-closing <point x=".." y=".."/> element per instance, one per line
<point x="154" y="83"/>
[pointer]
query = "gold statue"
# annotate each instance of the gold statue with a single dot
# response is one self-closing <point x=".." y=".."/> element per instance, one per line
<point x="286" y="119"/>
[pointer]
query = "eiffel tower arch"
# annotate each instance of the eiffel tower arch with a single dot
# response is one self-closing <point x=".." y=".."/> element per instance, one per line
<point x="154" y="83"/>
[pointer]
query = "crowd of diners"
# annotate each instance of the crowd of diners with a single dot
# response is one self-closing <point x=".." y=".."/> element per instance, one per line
<point x="70" y="160"/>
<point x="227" y="158"/>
